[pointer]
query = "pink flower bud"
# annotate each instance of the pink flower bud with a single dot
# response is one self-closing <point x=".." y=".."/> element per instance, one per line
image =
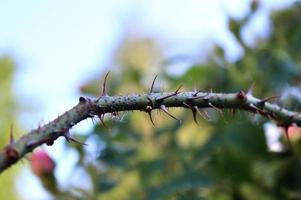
<point x="41" y="163"/>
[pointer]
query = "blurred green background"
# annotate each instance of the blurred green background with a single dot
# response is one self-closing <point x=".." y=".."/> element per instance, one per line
<point x="222" y="158"/>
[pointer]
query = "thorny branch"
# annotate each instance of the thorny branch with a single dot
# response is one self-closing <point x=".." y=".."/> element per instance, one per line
<point x="89" y="108"/>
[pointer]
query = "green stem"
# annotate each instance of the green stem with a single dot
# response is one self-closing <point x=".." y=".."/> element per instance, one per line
<point x="87" y="108"/>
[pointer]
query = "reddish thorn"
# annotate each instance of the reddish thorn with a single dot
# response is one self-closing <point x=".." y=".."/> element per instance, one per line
<point x="152" y="86"/>
<point x="269" y="99"/>
<point x="193" y="113"/>
<point x="169" y="95"/>
<point x="104" y="90"/>
<point x="11" y="134"/>
<point x="150" y="102"/>
<point x="69" y="138"/>
<point x="163" y="108"/>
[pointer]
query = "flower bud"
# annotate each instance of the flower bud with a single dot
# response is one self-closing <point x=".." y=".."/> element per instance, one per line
<point x="41" y="163"/>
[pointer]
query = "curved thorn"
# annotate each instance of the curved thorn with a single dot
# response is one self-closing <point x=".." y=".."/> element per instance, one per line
<point x="152" y="86"/>
<point x="203" y="114"/>
<point x="150" y="117"/>
<point x="104" y="90"/>
<point x="69" y="139"/>
<point x="193" y="112"/>
<point x="163" y="108"/>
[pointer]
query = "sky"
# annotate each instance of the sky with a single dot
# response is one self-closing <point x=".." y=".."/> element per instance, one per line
<point x="58" y="44"/>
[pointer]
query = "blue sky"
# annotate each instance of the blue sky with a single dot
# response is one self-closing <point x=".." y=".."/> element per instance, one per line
<point x="59" y="44"/>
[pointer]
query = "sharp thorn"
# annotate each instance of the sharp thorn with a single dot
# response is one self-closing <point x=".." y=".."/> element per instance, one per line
<point x="250" y="90"/>
<point x="153" y="83"/>
<point x="194" y="116"/>
<point x="193" y="112"/>
<point x="150" y="101"/>
<point x="196" y="93"/>
<point x="202" y="114"/>
<point x="269" y="99"/>
<point x="104" y="90"/>
<point x="102" y="121"/>
<point x="150" y="117"/>
<point x="11" y="134"/>
<point x="216" y="108"/>
<point x="163" y="108"/>
<point x="169" y="95"/>
<point x="71" y="139"/>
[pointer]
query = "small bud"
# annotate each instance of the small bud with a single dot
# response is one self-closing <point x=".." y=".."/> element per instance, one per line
<point x="41" y="163"/>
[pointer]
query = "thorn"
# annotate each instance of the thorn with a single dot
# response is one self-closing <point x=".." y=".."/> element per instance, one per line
<point x="193" y="112"/>
<point x="196" y="93"/>
<point x="150" y="102"/>
<point x="104" y="90"/>
<point x="169" y="95"/>
<point x="269" y="99"/>
<point x="151" y="118"/>
<point x="287" y="135"/>
<point x="11" y="134"/>
<point x="152" y="87"/>
<point x="250" y="90"/>
<point x="149" y="111"/>
<point x="203" y="114"/>
<point x="163" y="108"/>
<point x="102" y="121"/>
<point x="218" y="109"/>
<point x="194" y="96"/>
<point x="70" y="139"/>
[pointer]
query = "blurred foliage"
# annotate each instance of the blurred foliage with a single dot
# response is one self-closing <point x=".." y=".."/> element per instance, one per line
<point x="223" y="158"/>
<point x="8" y="116"/>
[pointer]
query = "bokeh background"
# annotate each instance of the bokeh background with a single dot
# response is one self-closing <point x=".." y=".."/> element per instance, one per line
<point x="51" y="52"/>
